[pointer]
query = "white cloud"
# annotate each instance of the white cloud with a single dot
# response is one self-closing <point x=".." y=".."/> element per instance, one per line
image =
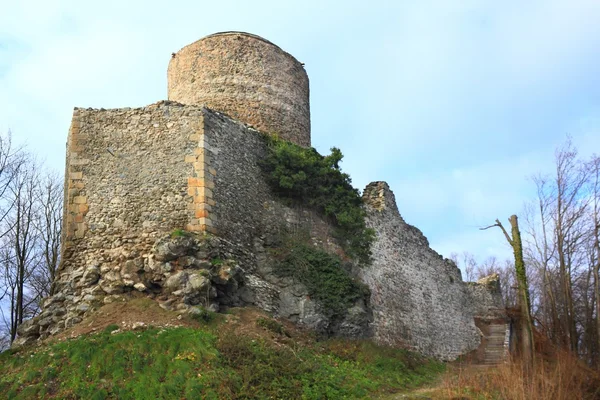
<point x="453" y="103"/>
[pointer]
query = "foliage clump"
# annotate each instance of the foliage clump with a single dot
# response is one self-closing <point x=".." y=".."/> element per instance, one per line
<point x="303" y="175"/>
<point x="272" y="325"/>
<point x="203" y="315"/>
<point x="324" y="276"/>
<point x="179" y="233"/>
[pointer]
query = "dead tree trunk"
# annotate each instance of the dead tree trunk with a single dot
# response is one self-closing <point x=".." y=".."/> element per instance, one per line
<point x="526" y="339"/>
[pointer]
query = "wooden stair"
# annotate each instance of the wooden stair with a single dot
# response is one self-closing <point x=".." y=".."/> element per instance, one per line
<point x="495" y="350"/>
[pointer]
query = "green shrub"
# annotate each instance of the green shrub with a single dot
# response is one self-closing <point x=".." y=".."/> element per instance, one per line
<point x="202" y="315"/>
<point x="179" y="233"/>
<point x="111" y="327"/>
<point x="324" y="277"/>
<point x="303" y="175"/>
<point x="271" y="325"/>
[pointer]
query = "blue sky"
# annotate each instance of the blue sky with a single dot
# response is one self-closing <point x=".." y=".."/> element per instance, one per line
<point x="454" y="104"/>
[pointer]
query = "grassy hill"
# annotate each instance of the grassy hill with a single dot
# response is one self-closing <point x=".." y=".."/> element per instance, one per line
<point x="241" y="355"/>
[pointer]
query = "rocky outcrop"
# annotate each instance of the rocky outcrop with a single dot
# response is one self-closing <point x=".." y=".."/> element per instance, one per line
<point x="185" y="270"/>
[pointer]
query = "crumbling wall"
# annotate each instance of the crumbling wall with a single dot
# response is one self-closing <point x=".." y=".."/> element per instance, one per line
<point x="248" y="214"/>
<point x="491" y="319"/>
<point x="136" y="179"/>
<point x="419" y="299"/>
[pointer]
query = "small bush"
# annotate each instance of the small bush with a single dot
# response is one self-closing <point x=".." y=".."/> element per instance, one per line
<point x="324" y="277"/>
<point x="110" y="328"/>
<point x="202" y="315"/>
<point x="271" y="325"/>
<point x="305" y="176"/>
<point x="179" y="233"/>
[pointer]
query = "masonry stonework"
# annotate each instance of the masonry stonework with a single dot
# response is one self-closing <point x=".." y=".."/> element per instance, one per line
<point x="248" y="78"/>
<point x="154" y="195"/>
<point x="419" y="299"/>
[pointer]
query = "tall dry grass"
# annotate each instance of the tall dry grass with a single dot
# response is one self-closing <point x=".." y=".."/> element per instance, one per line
<point x="561" y="377"/>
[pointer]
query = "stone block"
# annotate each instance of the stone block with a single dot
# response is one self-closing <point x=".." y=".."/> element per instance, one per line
<point x="79" y="199"/>
<point x="193" y="182"/>
<point x="205" y="183"/>
<point x="201" y="171"/>
<point x="202" y="151"/>
<point x="206" y="221"/>
<point x="203" y="206"/>
<point x="193" y="228"/>
<point x="80" y="161"/>
<point x="201" y="213"/>
<point x="210" y="229"/>
<point x="204" y="192"/>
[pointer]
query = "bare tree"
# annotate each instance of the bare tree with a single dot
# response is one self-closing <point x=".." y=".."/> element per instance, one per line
<point x="48" y="225"/>
<point x="527" y="341"/>
<point x="21" y="244"/>
<point x="467" y="262"/>
<point x="594" y="168"/>
<point x="540" y="251"/>
<point x="569" y="180"/>
<point x="11" y="160"/>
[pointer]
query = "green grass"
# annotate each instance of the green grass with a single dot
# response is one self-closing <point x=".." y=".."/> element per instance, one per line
<point x="179" y="233"/>
<point x="188" y="363"/>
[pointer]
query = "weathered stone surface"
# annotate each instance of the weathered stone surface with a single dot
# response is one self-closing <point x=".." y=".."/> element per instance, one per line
<point x="176" y="281"/>
<point x="418" y="298"/>
<point x="172" y="248"/>
<point x="140" y="287"/>
<point x="228" y="72"/>
<point x="136" y="178"/>
<point x="91" y="275"/>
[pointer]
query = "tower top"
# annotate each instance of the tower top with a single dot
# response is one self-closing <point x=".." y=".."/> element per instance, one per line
<point x="247" y="77"/>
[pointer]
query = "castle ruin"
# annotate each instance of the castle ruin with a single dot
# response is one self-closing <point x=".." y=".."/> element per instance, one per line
<point x="136" y="176"/>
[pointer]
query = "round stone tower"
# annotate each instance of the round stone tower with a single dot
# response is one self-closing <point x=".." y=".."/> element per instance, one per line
<point x="248" y="78"/>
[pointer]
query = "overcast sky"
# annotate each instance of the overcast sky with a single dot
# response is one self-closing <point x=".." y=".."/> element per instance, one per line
<point x="454" y="104"/>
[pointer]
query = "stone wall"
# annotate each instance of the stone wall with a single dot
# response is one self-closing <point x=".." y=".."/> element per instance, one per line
<point x="138" y="178"/>
<point x="168" y="201"/>
<point x="247" y="77"/>
<point x="491" y="319"/>
<point x="249" y="215"/>
<point x="126" y="174"/>
<point x="418" y="299"/>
